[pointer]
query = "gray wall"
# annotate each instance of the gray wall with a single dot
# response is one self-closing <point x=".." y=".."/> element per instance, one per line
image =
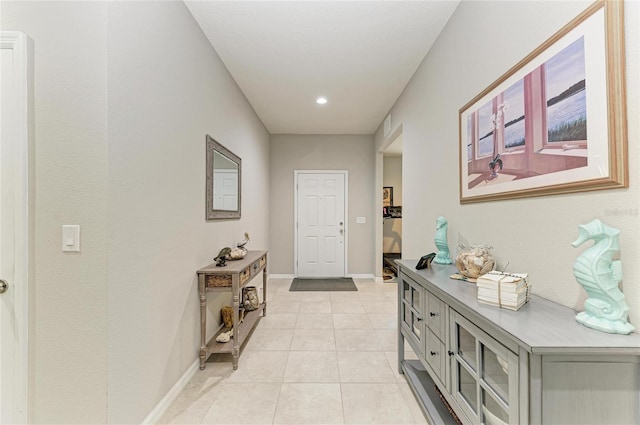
<point x="68" y="308"/>
<point x="125" y="93"/>
<point x="322" y="152"/>
<point x="167" y="89"/>
<point x="482" y="40"/>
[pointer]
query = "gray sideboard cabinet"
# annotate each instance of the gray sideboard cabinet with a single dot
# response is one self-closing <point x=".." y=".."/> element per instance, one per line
<point x="495" y="366"/>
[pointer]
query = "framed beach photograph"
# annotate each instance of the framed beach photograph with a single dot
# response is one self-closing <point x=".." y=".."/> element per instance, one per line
<point x="554" y="123"/>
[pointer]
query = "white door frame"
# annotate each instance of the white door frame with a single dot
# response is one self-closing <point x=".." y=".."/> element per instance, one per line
<point x="22" y="89"/>
<point x="296" y="173"/>
<point x="388" y="140"/>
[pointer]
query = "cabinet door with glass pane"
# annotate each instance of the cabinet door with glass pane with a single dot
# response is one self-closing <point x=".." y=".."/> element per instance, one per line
<point x="411" y="307"/>
<point x="484" y="375"/>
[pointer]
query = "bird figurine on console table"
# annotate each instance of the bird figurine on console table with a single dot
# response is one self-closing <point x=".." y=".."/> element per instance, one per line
<point x="239" y="252"/>
<point x="244" y="242"/>
<point x="221" y="259"/>
<point x="440" y="240"/>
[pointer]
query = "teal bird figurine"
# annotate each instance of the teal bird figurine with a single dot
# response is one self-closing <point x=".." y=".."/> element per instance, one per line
<point x="440" y="239"/>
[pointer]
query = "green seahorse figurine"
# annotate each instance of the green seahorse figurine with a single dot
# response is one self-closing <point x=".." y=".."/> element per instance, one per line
<point x="440" y="239"/>
<point x="599" y="274"/>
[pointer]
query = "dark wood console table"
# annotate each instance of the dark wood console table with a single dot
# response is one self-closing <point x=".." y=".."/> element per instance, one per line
<point x="231" y="278"/>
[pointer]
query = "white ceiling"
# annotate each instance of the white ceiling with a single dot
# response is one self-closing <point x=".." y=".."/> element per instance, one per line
<point x="358" y="54"/>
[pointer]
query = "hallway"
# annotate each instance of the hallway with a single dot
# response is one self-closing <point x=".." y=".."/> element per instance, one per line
<point x="316" y="358"/>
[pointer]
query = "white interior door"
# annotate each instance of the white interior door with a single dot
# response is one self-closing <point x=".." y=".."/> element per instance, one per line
<point x="14" y="227"/>
<point x="321" y="225"/>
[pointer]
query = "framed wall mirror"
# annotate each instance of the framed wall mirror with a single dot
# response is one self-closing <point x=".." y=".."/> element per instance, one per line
<point x="224" y="172"/>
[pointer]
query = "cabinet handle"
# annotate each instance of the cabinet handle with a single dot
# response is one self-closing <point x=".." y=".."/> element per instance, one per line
<point x="419" y="319"/>
<point x="432" y="314"/>
<point x="433" y="353"/>
<point x="450" y="353"/>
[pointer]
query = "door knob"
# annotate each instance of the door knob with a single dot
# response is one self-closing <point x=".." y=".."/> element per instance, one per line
<point x="3" y="286"/>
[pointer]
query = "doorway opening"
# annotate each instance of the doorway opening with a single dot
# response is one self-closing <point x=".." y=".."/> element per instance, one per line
<point x="392" y="208"/>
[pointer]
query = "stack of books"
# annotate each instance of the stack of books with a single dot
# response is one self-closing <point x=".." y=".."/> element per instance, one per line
<point x="505" y="290"/>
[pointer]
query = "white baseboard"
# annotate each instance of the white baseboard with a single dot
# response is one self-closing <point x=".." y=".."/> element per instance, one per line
<point x="380" y="279"/>
<point x="280" y="276"/>
<point x="355" y="276"/>
<point x="157" y="412"/>
<point x="362" y="276"/>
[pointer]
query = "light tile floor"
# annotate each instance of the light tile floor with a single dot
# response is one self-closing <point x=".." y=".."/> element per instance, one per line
<point x="316" y="358"/>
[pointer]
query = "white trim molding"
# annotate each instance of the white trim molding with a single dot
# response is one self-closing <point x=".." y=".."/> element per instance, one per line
<point x="163" y="405"/>
<point x="280" y="276"/>
<point x="362" y="276"/>
<point x="21" y="152"/>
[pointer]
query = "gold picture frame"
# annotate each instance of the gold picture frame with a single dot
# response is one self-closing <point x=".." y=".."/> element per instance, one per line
<point x="387" y="196"/>
<point x="543" y="128"/>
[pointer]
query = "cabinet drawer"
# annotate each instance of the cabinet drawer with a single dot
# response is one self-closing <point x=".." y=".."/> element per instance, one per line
<point x="435" y="355"/>
<point x="218" y="280"/>
<point x="255" y="267"/>
<point x="435" y="315"/>
<point x="258" y="265"/>
<point x="245" y="274"/>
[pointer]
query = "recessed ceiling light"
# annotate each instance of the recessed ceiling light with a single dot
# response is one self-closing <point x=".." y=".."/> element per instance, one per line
<point x="321" y="100"/>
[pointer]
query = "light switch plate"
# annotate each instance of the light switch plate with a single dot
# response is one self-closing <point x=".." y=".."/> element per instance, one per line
<point x="361" y="220"/>
<point x="70" y="238"/>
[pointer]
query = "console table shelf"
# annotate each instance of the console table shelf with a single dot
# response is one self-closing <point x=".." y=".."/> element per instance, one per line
<point x="250" y="319"/>
<point x="231" y="278"/>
